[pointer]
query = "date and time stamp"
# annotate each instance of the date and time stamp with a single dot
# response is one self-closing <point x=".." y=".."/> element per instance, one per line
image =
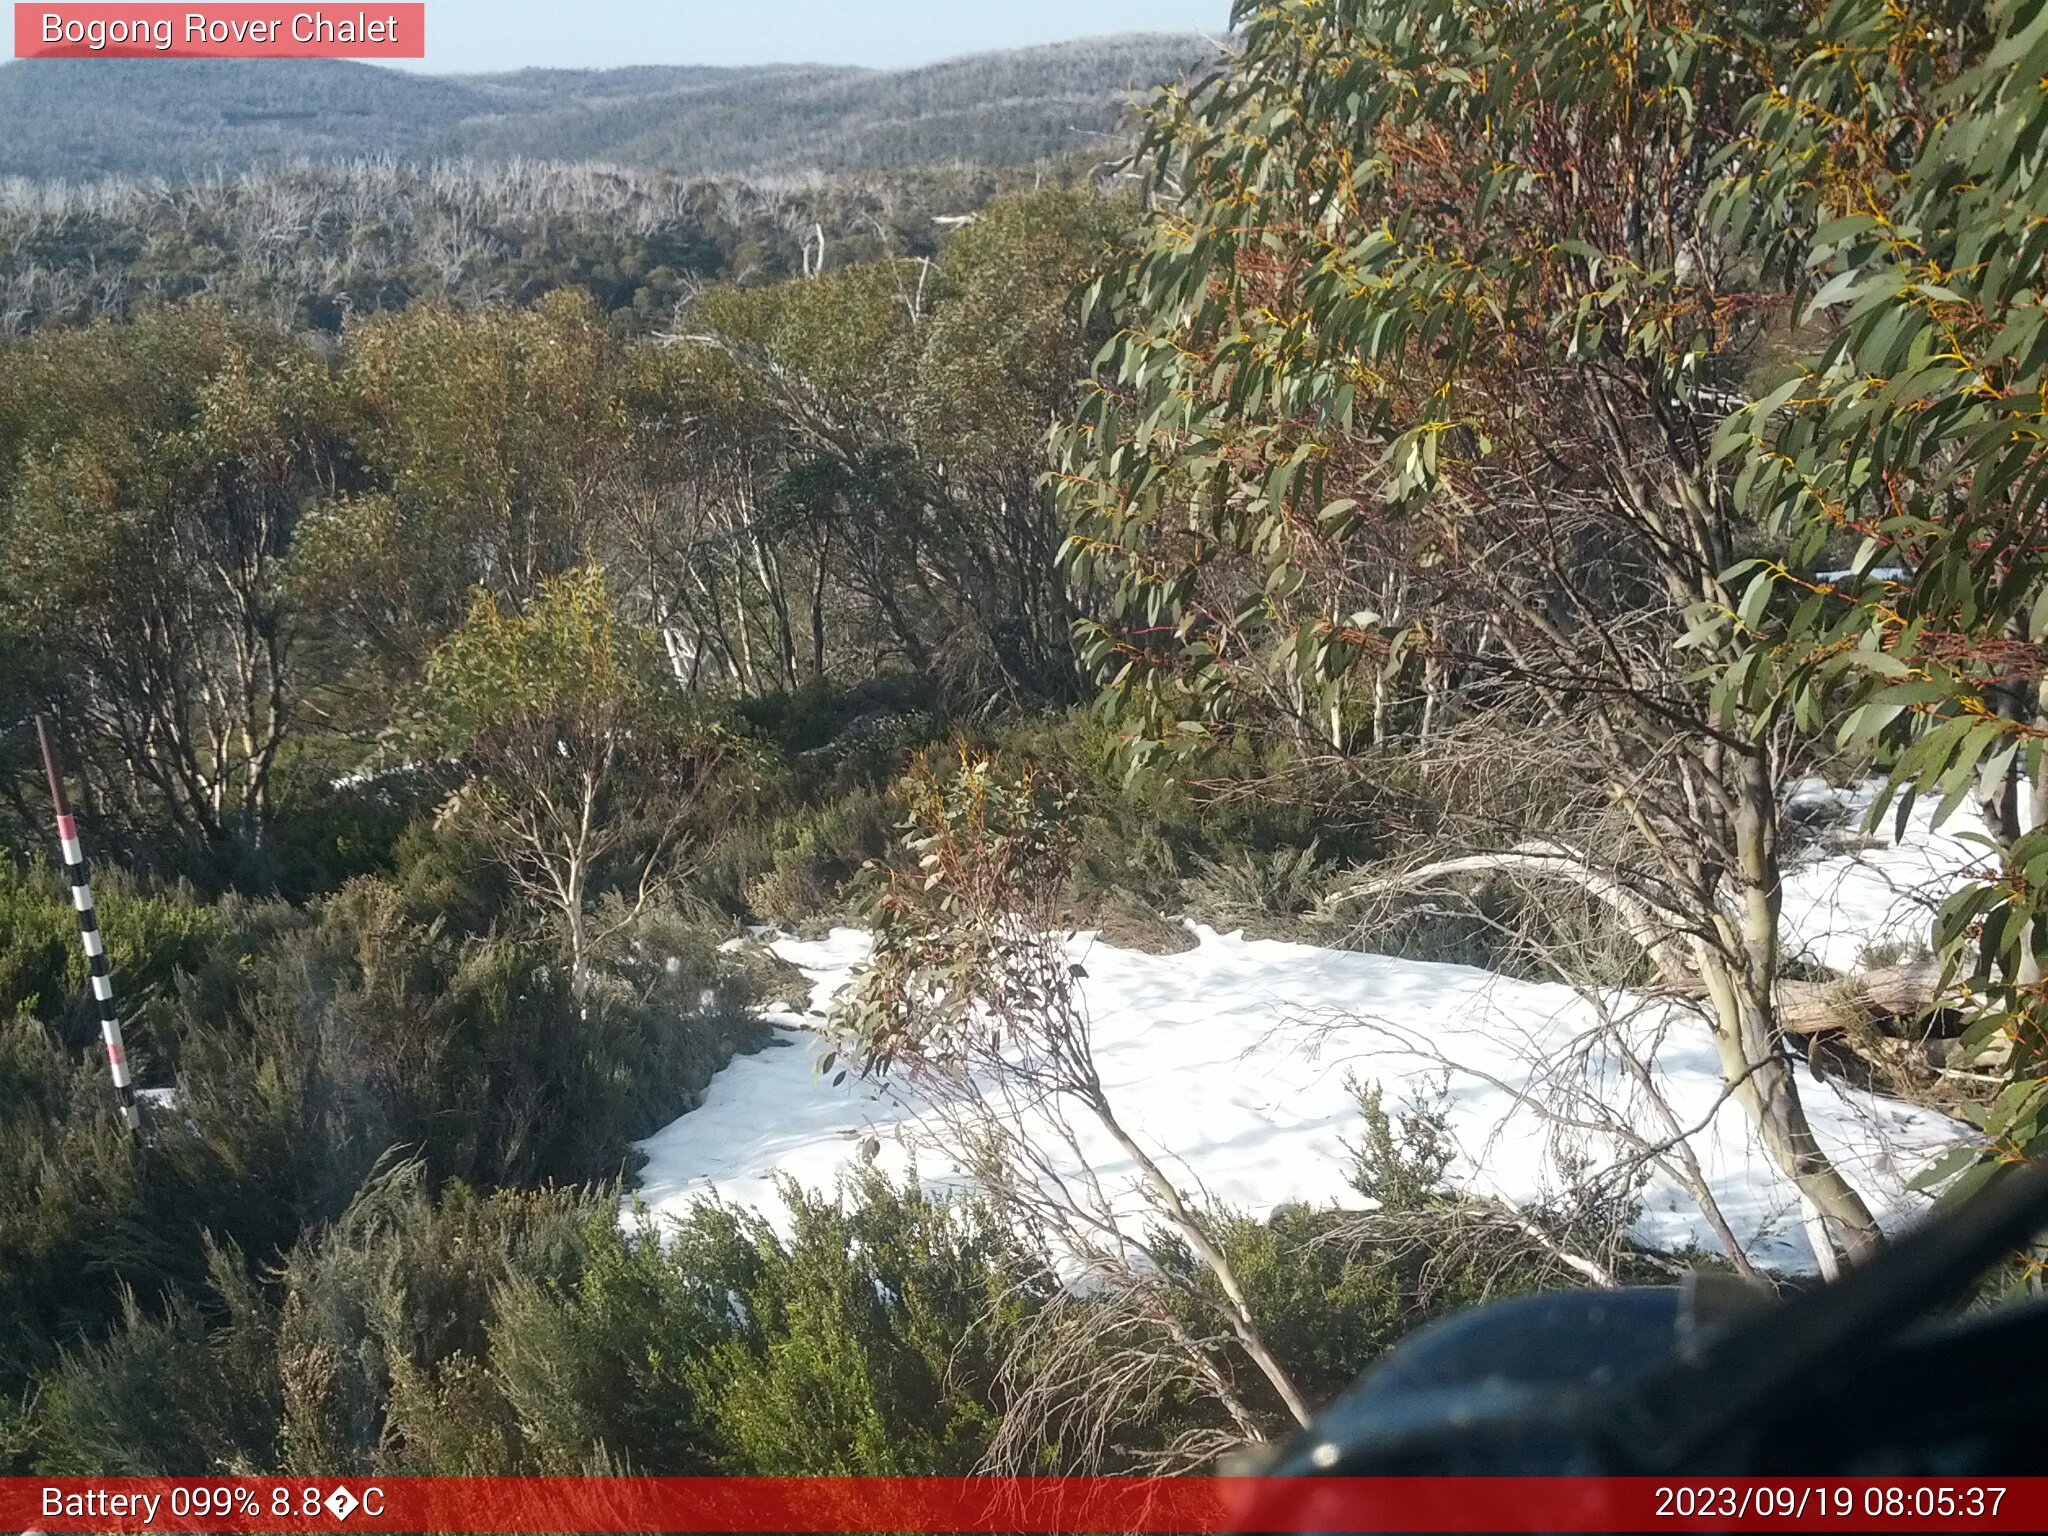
<point x="1798" y="1500"/>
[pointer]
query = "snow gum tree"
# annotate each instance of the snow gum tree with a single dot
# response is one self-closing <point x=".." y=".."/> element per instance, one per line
<point x="498" y="446"/>
<point x="1897" y="173"/>
<point x="574" y="761"/>
<point x="879" y="434"/>
<point x="151" y="479"/>
<point x="1406" y="446"/>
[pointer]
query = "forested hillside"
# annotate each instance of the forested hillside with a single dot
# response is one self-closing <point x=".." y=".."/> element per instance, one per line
<point x="193" y="117"/>
<point x="1505" y="521"/>
<point x="313" y="244"/>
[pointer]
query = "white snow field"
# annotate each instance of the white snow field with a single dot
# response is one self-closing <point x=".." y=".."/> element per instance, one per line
<point x="1230" y="1063"/>
<point x="1836" y="904"/>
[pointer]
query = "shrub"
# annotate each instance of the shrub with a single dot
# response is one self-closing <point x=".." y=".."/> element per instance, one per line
<point x="468" y="1334"/>
<point x="385" y="1327"/>
<point x="869" y="1342"/>
<point x="726" y="869"/>
<point x="303" y="1050"/>
<point x="866" y="1341"/>
<point x="818" y="856"/>
<point x="334" y="824"/>
<point x="91" y="1217"/>
<point x="1269" y="891"/>
<point x="401" y="1030"/>
<point x="155" y="939"/>
<point x="69" y="1174"/>
<point x="369" y="1354"/>
<point x="449" y="1332"/>
<point x="167" y="1395"/>
<point x="38" y="937"/>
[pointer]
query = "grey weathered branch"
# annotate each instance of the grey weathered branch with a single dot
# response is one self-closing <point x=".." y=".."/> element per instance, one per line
<point x="1875" y="998"/>
<point x="1651" y="925"/>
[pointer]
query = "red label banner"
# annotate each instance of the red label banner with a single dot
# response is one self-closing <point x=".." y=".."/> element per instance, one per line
<point x="1050" y="1504"/>
<point x="114" y="31"/>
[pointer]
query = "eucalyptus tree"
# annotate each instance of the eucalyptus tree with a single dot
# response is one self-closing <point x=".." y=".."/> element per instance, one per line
<point x="903" y="406"/>
<point x="572" y="756"/>
<point x="1898" y="173"/>
<point x="152" y="476"/>
<point x="498" y="446"/>
<point x="1421" y="362"/>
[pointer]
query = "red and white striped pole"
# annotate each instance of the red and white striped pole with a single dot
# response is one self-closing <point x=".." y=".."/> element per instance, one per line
<point x="89" y="930"/>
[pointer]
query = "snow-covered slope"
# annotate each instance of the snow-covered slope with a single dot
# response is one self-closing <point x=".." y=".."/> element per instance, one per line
<point x="1837" y="904"/>
<point x="1231" y="1061"/>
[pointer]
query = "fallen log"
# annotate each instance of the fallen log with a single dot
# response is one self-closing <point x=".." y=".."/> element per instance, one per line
<point x="1908" y="998"/>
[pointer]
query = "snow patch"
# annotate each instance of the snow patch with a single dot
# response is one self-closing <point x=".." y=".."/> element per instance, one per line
<point x="1230" y="1062"/>
<point x="1881" y="889"/>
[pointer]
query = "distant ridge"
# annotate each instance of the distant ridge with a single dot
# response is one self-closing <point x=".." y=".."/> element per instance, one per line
<point x="181" y="118"/>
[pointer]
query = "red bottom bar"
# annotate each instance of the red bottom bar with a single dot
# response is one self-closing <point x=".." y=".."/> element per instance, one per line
<point x="1046" y="1504"/>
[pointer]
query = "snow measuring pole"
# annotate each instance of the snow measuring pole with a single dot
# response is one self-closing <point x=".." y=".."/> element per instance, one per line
<point x="89" y="930"/>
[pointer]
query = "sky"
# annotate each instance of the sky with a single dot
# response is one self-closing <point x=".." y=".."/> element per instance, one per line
<point x="471" y="36"/>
